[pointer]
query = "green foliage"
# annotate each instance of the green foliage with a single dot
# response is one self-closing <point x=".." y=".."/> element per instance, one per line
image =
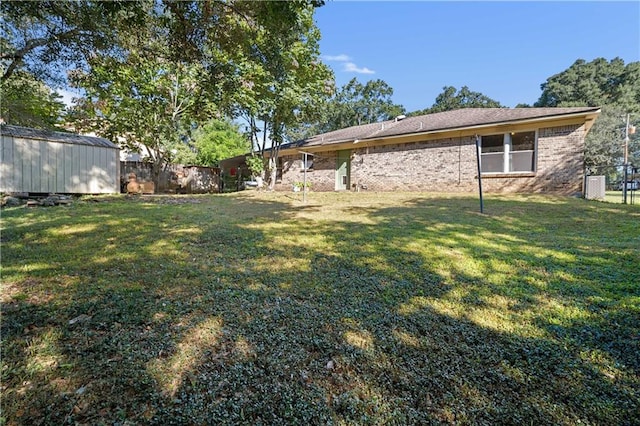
<point x="143" y="102"/>
<point x="154" y="70"/>
<point x="604" y="147"/>
<point x="596" y="83"/>
<point x="611" y="85"/>
<point x="26" y="101"/>
<point x="282" y="80"/>
<point x="357" y="104"/>
<point x="187" y="61"/>
<point x="217" y="140"/>
<point x="140" y="97"/>
<point x="451" y="99"/>
<point x="41" y="37"/>
<point x="183" y="153"/>
<point x="300" y="184"/>
<point x="352" y="105"/>
<point x="255" y="163"/>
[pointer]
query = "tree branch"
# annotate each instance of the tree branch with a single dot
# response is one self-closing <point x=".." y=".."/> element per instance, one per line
<point x="18" y="55"/>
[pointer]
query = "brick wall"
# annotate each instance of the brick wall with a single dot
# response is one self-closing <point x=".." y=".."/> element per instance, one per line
<point x="322" y="176"/>
<point x="444" y="165"/>
<point x="448" y="165"/>
<point x="559" y="165"/>
<point x="561" y="159"/>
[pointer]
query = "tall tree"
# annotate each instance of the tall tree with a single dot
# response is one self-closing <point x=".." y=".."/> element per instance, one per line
<point x="141" y="97"/>
<point x="27" y="101"/>
<point x="452" y="98"/>
<point x="194" y="60"/>
<point x="604" y="146"/>
<point x="611" y="85"/>
<point x="352" y="105"/>
<point x="41" y="37"/>
<point x="214" y="141"/>
<point x="145" y="104"/>
<point x="596" y="83"/>
<point x="358" y="104"/>
<point x="282" y="79"/>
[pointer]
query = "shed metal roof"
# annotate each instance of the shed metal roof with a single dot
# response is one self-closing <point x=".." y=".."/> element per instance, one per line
<point x="48" y="135"/>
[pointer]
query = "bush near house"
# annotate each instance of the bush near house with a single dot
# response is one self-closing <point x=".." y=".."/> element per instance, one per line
<point x="352" y="308"/>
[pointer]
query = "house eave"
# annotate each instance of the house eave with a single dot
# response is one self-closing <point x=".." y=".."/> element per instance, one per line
<point x="587" y="118"/>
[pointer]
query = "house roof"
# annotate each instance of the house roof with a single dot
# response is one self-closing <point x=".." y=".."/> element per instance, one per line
<point x="439" y="122"/>
<point x="236" y="161"/>
<point x="48" y="135"/>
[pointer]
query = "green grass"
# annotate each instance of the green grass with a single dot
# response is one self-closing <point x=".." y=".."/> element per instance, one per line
<point x="616" y="197"/>
<point x="351" y="308"/>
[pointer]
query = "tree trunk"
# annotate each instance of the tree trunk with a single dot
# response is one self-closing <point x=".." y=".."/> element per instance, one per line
<point x="156" y="169"/>
<point x="273" y="172"/>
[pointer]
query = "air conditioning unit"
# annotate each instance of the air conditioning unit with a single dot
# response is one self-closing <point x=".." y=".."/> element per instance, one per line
<point x="594" y="188"/>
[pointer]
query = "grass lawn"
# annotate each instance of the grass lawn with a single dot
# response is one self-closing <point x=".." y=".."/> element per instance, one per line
<point x="351" y="308"/>
<point x="616" y="197"/>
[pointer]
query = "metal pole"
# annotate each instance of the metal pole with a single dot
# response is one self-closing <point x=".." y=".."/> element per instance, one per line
<point x="479" y="173"/>
<point x="304" y="180"/>
<point x="626" y="159"/>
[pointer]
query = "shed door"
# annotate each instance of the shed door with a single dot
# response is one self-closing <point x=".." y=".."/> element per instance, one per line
<point x="342" y="170"/>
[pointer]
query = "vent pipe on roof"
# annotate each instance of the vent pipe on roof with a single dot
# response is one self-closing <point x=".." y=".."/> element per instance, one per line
<point x="400" y="117"/>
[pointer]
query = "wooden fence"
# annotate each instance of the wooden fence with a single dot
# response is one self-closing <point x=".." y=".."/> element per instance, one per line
<point x="174" y="178"/>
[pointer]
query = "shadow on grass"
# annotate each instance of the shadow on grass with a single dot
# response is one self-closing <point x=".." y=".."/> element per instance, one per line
<point x="247" y="310"/>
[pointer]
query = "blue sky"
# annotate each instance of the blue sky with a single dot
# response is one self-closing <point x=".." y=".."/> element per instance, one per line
<point x="504" y="50"/>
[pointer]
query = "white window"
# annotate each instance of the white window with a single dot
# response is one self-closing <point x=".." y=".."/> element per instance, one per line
<point x="309" y="164"/>
<point x="508" y="152"/>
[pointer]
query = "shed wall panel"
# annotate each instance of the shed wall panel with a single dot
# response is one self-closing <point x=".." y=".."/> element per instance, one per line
<point x="18" y="158"/>
<point x="29" y="162"/>
<point x="103" y="167"/>
<point x="45" y="167"/>
<point x="52" y="163"/>
<point x="79" y="173"/>
<point x="90" y="169"/>
<point x="68" y="167"/>
<point x="7" y="172"/>
<point x="112" y="169"/>
<point x="83" y="174"/>
<point x="60" y="182"/>
<point x="29" y="165"/>
<point x="75" y="169"/>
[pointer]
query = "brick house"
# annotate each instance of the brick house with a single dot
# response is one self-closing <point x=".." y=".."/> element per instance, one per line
<point x="521" y="150"/>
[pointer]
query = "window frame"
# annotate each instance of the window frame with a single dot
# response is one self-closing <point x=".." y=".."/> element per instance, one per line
<point x="309" y="166"/>
<point x="507" y="154"/>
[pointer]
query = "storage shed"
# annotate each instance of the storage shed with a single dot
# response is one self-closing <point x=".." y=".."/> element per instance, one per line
<point x="41" y="161"/>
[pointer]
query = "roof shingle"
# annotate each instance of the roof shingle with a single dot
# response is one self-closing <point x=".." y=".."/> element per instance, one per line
<point x="441" y="121"/>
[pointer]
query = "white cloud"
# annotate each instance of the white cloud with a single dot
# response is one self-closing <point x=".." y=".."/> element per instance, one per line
<point x="351" y="67"/>
<point x="337" y="58"/>
<point x="348" y="65"/>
